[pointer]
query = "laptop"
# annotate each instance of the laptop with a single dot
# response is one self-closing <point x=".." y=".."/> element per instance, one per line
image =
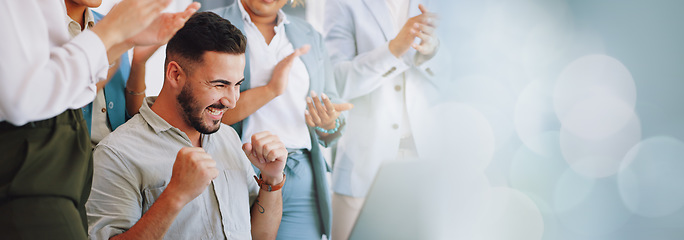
<point x="420" y="200"/>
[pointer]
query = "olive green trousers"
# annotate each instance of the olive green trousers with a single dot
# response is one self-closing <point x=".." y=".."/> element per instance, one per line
<point x="46" y="171"/>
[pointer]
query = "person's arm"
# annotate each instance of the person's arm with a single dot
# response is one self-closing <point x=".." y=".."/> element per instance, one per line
<point x="254" y="98"/>
<point x="359" y="73"/>
<point x="135" y="85"/>
<point x="328" y="112"/>
<point x="268" y="154"/>
<point x="41" y="71"/>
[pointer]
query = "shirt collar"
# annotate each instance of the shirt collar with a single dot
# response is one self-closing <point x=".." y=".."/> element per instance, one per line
<point x="155" y="121"/>
<point x="75" y="27"/>
<point x="280" y="19"/>
<point x="158" y="124"/>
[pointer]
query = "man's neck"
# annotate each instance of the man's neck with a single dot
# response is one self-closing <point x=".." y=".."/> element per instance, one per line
<point x="76" y="12"/>
<point x="166" y="109"/>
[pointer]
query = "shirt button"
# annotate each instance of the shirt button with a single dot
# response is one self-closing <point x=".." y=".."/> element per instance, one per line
<point x="104" y="110"/>
<point x="397" y="88"/>
<point x="395" y="126"/>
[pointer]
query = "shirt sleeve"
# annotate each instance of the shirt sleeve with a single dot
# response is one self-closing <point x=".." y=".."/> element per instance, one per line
<point x="115" y="203"/>
<point x="356" y="74"/>
<point x="42" y="71"/>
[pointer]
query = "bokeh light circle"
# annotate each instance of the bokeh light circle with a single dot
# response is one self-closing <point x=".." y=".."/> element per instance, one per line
<point x="534" y="115"/>
<point x="590" y="76"/>
<point x="461" y="136"/>
<point x="599" y="157"/>
<point x="650" y="182"/>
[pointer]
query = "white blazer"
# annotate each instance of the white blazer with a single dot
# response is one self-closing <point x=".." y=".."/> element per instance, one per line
<point x="357" y="34"/>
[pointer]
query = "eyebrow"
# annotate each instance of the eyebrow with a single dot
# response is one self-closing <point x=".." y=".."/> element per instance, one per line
<point x="226" y="82"/>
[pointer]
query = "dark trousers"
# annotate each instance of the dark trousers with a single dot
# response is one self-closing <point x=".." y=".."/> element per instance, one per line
<point x="46" y="170"/>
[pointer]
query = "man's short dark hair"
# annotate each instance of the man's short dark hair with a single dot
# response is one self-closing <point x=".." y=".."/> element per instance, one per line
<point x="204" y="32"/>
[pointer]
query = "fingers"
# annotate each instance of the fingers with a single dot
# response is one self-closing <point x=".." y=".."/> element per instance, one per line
<point x="422" y="8"/>
<point x="330" y="109"/>
<point x="190" y="10"/>
<point x="313" y="111"/>
<point x="297" y="52"/>
<point x="427" y="45"/>
<point x="343" y="107"/>
<point x="247" y="148"/>
<point x="266" y="147"/>
<point x="193" y="171"/>
<point x="302" y="50"/>
<point x="181" y="17"/>
<point x="322" y="111"/>
<point x="309" y="119"/>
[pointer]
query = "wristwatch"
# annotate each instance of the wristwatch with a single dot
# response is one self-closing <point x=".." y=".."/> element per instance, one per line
<point x="267" y="187"/>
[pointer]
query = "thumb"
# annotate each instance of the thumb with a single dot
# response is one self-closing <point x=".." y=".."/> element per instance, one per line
<point x="343" y="106"/>
<point x="422" y="8"/>
<point x="247" y="148"/>
<point x="300" y="51"/>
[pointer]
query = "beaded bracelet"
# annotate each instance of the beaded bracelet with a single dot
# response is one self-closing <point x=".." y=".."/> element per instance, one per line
<point x="329" y="131"/>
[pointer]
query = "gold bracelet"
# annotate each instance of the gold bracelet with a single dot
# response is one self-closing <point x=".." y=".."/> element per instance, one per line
<point x="135" y="93"/>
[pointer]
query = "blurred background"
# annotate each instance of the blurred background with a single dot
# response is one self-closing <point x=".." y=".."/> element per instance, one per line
<point x="561" y="119"/>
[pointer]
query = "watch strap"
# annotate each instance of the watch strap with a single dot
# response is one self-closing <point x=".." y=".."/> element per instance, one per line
<point x="267" y="187"/>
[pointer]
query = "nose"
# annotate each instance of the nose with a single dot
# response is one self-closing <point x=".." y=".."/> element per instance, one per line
<point x="225" y="101"/>
<point x="230" y="100"/>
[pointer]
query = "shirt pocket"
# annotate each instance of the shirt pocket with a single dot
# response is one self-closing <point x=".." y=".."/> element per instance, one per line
<point x="190" y="221"/>
<point x="150" y="195"/>
<point x="233" y="197"/>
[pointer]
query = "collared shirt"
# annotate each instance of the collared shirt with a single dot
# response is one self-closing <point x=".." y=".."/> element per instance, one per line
<point x="133" y="165"/>
<point x="43" y="71"/>
<point x="284" y="115"/>
<point x="75" y="27"/>
<point x="99" y="127"/>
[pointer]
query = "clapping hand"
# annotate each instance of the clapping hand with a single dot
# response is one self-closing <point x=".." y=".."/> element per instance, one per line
<point x="323" y="113"/>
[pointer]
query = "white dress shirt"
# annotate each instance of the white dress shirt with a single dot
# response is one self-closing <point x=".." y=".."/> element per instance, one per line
<point x="284" y="115"/>
<point x="44" y="72"/>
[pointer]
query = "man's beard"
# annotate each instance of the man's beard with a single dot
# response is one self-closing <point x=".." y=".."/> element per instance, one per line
<point x="192" y="111"/>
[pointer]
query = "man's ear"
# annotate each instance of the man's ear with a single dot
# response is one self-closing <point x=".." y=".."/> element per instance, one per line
<point x="175" y="75"/>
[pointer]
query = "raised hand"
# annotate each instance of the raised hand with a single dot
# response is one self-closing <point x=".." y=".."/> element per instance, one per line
<point x="192" y="173"/>
<point x="128" y="18"/>
<point x="422" y="26"/>
<point x="161" y="30"/>
<point x="281" y="72"/>
<point x="143" y="53"/>
<point x="323" y="113"/>
<point x="426" y="33"/>
<point x="268" y="154"/>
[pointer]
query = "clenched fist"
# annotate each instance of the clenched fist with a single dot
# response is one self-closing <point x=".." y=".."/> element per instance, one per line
<point x="192" y="173"/>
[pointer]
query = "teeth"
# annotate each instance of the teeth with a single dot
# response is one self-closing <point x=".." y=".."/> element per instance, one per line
<point x="214" y="112"/>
